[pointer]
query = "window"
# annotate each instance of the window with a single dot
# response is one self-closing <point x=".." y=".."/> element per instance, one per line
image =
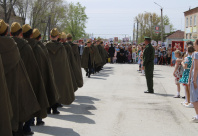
<point x="195" y="20"/>
<point x="186" y="22"/>
<point x="191" y="21"/>
<point x="186" y="36"/>
<point x="190" y="36"/>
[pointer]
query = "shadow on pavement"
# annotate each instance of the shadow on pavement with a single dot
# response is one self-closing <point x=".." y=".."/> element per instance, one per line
<point x="86" y="99"/>
<point x="165" y="95"/>
<point x="108" y="68"/>
<point x="97" y="78"/>
<point x="158" y="77"/>
<point x="79" y="109"/>
<point x="157" y="70"/>
<point x="73" y="118"/>
<point x="55" y="131"/>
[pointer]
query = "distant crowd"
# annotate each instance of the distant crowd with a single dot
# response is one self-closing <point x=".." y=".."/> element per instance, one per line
<point x="128" y="53"/>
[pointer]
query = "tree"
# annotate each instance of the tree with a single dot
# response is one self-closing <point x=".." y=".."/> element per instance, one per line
<point x="75" y="20"/>
<point x="21" y="7"/>
<point x="145" y="19"/>
<point x="8" y="8"/>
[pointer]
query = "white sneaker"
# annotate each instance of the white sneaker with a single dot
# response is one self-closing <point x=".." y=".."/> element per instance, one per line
<point x="183" y="103"/>
<point x="190" y="105"/>
<point x="194" y="120"/>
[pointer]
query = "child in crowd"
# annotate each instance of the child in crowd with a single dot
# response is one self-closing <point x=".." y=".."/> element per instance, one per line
<point x="178" y="71"/>
<point x="134" y="54"/>
<point x="129" y="57"/>
<point x="193" y="81"/>
<point x="161" y="54"/>
<point x="156" y="55"/>
<point x="141" y="56"/>
<point x="115" y="56"/>
<point x="186" y="63"/>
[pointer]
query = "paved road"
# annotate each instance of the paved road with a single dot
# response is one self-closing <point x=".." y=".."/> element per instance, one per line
<point x="112" y="103"/>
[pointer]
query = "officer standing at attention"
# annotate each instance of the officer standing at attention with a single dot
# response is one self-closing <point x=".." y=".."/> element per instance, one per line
<point x="148" y="63"/>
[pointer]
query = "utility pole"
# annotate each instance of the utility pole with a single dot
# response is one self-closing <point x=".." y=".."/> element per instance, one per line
<point x="141" y="32"/>
<point x="161" y="21"/>
<point x="151" y="26"/>
<point x="162" y="24"/>
<point x="134" y="32"/>
<point x="137" y="33"/>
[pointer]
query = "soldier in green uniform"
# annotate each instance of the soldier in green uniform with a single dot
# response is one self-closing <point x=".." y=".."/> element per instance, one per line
<point x="75" y="71"/>
<point x="24" y="104"/>
<point x="61" y="69"/>
<point x="148" y="63"/>
<point x="87" y="61"/>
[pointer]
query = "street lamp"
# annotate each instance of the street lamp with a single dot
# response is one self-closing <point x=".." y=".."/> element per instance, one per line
<point x="151" y="24"/>
<point x="161" y="21"/>
<point x="137" y="31"/>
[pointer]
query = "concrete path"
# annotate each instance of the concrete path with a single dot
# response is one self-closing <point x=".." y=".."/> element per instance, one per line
<point x="112" y="103"/>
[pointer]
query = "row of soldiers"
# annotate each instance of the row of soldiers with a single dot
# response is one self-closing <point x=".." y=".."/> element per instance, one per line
<point x="35" y="77"/>
<point x="94" y="57"/>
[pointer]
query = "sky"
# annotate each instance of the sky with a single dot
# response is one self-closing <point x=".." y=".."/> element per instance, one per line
<point x="115" y="18"/>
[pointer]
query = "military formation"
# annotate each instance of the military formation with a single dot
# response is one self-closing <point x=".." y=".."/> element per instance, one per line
<point x="94" y="57"/>
<point x="37" y="78"/>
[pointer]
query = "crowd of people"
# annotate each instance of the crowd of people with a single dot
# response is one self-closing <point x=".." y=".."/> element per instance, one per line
<point x="185" y="73"/>
<point x="36" y="77"/>
<point x="128" y="53"/>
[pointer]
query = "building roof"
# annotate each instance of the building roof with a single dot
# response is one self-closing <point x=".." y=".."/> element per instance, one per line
<point x="176" y="35"/>
<point x="191" y="11"/>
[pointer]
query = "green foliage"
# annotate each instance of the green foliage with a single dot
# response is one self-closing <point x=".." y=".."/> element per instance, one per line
<point x="145" y="20"/>
<point x="47" y="14"/>
<point x="75" y="21"/>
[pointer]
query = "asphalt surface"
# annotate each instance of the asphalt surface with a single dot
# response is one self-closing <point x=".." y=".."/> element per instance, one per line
<point x="112" y="103"/>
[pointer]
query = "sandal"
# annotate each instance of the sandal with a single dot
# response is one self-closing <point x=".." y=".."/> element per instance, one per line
<point x="177" y="96"/>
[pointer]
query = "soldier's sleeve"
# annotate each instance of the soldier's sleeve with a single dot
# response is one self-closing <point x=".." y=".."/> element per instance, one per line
<point x="146" y="56"/>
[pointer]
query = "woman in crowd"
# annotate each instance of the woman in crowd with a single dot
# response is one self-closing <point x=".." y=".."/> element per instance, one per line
<point x="193" y="81"/>
<point x="169" y="56"/>
<point x="186" y="63"/>
<point x="111" y="52"/>
<point x="122" y="55"/>
<point x="134" y="54"/>
<point x="156" y="55"/>
<point x="178" y="71"/>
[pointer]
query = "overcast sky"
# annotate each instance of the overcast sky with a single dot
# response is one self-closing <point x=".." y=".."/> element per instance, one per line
<point x="111" y="18"/>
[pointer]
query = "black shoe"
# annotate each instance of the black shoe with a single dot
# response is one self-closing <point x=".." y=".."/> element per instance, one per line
<point x="40" y="123"/>
<point x="149" y="92"/>
<point x="49" y="111"/>
<point x="32" y="124"/>
<point x="86" y="74"/>
<point x="17" y="133"/>
<point x="56" y="112"/>
<point x="28" y="133"/>
<point x="183" y="97"/>
<point x="60" y="105"/>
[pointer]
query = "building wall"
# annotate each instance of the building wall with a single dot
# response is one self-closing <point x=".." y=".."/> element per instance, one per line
<point x="169" y="41"/>
<point x="191" y="24"/>
<point x="13" y="18"/>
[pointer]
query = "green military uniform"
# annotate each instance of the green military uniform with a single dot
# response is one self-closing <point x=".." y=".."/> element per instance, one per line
<point x="77" y="58"/>
<point x="148" y="63"/>
<point x="61" y="69"/>
<point x="5" y="106"/>
<point x="23" y="101"/>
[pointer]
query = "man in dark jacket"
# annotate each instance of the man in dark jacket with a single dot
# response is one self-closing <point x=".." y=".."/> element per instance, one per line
<point x="111" y="52"/>
<point x="148" y="63"/>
